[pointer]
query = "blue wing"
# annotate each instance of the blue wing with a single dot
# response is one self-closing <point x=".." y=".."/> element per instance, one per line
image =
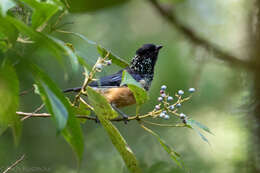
<point x="113" y="80"/>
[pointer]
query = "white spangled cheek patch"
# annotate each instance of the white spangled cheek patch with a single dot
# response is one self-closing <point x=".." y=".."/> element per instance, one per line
<point x="147" y="61"/>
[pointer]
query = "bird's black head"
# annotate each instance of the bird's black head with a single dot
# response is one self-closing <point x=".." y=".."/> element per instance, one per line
<point x="148" y="50"/>
<point x="145" y="59"/>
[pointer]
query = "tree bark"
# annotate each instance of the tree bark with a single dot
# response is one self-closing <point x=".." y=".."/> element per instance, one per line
<point x="254" y="34"/>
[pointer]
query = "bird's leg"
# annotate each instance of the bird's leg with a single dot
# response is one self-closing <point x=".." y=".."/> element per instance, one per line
<point x="97" y="120"/>
<point x="125" y="117"/>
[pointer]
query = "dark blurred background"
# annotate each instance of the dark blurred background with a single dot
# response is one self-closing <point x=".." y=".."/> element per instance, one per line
<point x="222" y="101"/>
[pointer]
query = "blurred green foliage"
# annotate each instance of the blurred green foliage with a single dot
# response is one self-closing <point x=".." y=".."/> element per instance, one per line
<point x="121" y="26"/>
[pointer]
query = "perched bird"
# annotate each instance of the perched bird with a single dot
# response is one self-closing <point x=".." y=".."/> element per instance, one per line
<point x="141" y="69"/>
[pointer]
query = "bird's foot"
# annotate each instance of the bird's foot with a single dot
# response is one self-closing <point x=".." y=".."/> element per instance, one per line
<point x="125" y="118"/>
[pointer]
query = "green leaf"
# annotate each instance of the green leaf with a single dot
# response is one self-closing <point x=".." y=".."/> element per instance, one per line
<point x="140" y="94"/>
<point x="42" y="11"/>
<point x="198" y="124"/>
<point x="55" y="46"/>
<point x="82" y="62"/>
<point x="174" y="155"/>
<point x="128" y="79"/>
<point x="102" y="51"/>
<point x="5" y="5"/>
<point x="68" y="51"/>
<point x="74" y="136"/>
<point x="84" y="38"/>
<point x="193" y="124"/>
<point x="61" y="111"/>
<point x="4" y="46"/>
<point x="10" y="33"/>
<point x="103" y="111"/>
<point x="82" y="110"/>
<point x="55" y="102"/>
<point x="9" y="101"/>
<point x="37" y="37"/>
<point x="114" y="58"/>
<point x="100" y="101"/>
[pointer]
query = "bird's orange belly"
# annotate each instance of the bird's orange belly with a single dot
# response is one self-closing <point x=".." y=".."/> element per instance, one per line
<point x="120" y="97"/>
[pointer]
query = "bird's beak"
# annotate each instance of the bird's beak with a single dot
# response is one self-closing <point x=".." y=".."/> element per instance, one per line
<point x="158" y="47"/>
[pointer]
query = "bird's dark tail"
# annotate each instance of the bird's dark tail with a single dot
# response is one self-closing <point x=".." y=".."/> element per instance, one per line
<point x="72" y="90"/>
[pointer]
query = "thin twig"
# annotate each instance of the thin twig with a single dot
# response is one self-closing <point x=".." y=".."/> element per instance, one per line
<point x="170" y="16"/>
<point x="67" y="4"/>
<point x="54" y="27"/>
<point x="26" y="92"/>
<point x="14" y="164"/>
<point x="39" y="108"/>
<point x="26" y="40"/>
<point x="163" y="125"/>
<point x="46" y="115"/>
<point x="36" y="110"/>
<point x="152" y="114"/>
<point x="89" y="78"/>
<point x="86" y="104"/>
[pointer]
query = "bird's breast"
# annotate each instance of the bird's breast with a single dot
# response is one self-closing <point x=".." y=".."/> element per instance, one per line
<point x="119" y="96"/>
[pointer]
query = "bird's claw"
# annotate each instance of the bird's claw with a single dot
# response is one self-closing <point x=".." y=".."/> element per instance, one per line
<point x="125" y="119"/>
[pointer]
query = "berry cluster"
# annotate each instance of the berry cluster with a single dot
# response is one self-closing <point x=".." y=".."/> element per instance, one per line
<point x="166" y="107"/>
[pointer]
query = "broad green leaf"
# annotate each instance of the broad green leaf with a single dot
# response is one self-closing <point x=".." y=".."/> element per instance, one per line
<point x="74" y="136"/>
<point x="128" y="79"/>
<point x="82" y="110"/>
<point x="8" y="30"/>
<point x="42" y="11"/>
<point x="140" y="94"/>
<point x="114" y="58"/>
<point x="102" y="111"/>
<point x="38" y="37"/>
<point x="100" y="101"/>
<point x="190" y="123"/>
<point x="82" y="62"/>
<point x="55" y="102"/>
<point x="8" y="34"/>
<point x="174" y="155"/>
<point x="102" y="51"/>
<point x="5" y="5"/>
<point x="4" y="46"/>
<point x="61" y="111"/>
<point x="9" y="101"/>
<point x="72" y="56"/>
<point x="84" y="38"/>
<point x="55" y="46"/>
